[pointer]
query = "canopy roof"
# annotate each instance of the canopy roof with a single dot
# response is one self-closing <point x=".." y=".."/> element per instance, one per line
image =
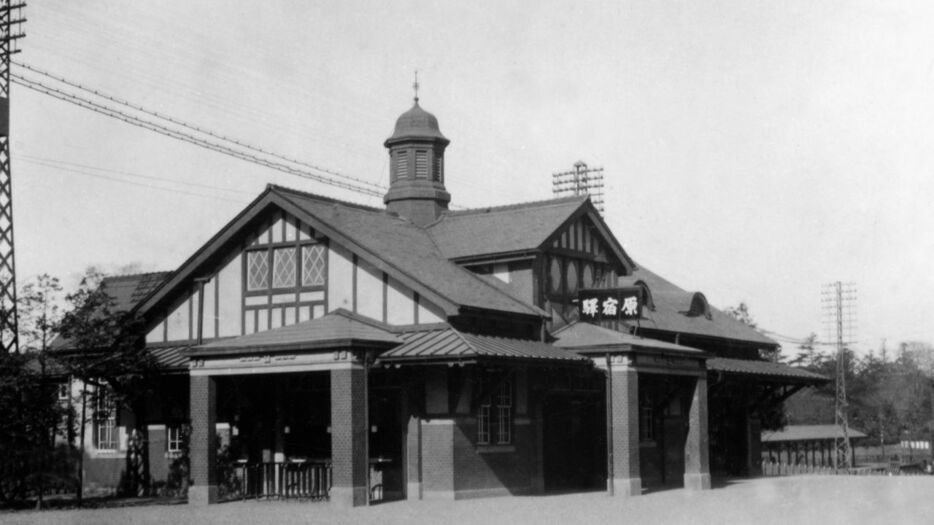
<point x="808" y="433"/>
<point x="338" y="328"/>
<point x="763" y="370"/>
<point x="448" y="344"/>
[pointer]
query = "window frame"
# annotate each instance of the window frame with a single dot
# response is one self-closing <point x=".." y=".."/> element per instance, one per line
<point x="297" y="247"/>
<point x="106" y="436"/>
<point x="248" y="255"/>
<point x="173" y="444"/>
<point x="496" y="415"/>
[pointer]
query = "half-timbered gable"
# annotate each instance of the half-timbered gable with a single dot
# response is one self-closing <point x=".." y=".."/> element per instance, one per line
<point x="285" y="272"/>
<point x="540" y="252"/>
<point x="299" y="257"/>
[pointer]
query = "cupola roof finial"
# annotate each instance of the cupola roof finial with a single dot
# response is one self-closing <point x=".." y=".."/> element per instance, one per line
<point x="415" y="86"/>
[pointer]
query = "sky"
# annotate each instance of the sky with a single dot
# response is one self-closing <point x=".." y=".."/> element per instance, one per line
<point x="752" y="150"/>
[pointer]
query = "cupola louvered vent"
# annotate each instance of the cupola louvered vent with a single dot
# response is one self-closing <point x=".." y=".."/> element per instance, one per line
<point x="437" y="173"/>
<point x="421" y="164"/>
<point x="402" y="164"/>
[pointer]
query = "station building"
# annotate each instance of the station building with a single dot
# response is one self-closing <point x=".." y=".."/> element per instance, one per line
<point x="333" y="350"/>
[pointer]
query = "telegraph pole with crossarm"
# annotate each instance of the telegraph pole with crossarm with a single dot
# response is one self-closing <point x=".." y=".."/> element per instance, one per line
<point x="10" y="31"/>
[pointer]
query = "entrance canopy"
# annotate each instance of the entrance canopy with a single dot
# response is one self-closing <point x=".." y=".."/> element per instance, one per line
<point x="450" y="345"/>
<point x="586" y="338"/>
<point x="338" y="329"/>
<point x="302" y="345"/>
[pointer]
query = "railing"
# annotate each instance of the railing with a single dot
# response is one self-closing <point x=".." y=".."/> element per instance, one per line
<point x="866" y="469"/>
<point x="309" y="480"/>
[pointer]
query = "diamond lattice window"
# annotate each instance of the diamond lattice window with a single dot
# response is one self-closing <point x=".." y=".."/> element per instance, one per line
<point x="313" y="265"/>
<point x="257" y="270"/>
<point x="283" y="273"/>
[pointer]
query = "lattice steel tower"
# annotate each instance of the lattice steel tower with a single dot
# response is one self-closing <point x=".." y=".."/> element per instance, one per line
<point x="839" y="301"/>
<point x="10" y="32"/>
<point x="580" y="181"/>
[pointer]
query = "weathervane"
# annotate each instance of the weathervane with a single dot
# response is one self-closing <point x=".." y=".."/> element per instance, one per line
<point x="415" y="86"/>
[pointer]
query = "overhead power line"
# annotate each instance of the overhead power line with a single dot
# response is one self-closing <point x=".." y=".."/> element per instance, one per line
<point x="365" y="188"/>
<point x="89" y="171"/>
<point x="194" y="127"/>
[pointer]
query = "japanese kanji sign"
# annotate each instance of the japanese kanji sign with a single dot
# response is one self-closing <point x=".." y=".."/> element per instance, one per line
<point x="610" y="304"/>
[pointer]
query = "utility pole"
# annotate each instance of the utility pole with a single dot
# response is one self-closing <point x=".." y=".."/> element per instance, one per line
<point x="582" y="180"/>
<point x="10" y="32"/>
<point x="840" y="312"/>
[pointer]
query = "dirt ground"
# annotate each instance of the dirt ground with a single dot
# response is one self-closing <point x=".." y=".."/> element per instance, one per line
<point x="805" y="499"/>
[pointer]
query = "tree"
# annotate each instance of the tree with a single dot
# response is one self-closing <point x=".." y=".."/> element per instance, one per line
<point x="106" y="350"/>
<point x="741" y="314"/>
<point x="31" y="454"/>
<point x="32" y="417"/>
<point x="809" y="356"/>
<point x="39" y="313"/>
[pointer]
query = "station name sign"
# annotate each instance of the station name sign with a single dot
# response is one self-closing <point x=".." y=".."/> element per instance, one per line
<point x="610" y="304"/>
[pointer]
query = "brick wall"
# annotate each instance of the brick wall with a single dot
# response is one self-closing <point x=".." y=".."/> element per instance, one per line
<point x="438" y="458"/>
<point x="492" y="470"/>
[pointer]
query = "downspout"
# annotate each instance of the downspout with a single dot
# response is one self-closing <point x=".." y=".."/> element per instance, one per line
<point x="609" y="425"/>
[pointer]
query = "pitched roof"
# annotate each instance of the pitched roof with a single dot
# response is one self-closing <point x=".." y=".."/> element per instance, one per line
<point x="584" y="337"/>
<point x="128" y="290"/>
<point x="517" y="227"/>
<point x="337" y="327"/>
<point x="764" y="370"/>
<point x="411" y="251"/>
<point x="673" y="304"/>
<point x="447" y="344"/>
<point x="392" y="244"/>
<point x="808" y="433"/>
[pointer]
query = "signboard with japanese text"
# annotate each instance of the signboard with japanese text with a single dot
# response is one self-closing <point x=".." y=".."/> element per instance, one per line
<point x="610" y="304"/>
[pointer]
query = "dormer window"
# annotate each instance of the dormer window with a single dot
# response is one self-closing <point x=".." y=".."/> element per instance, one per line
<point x="699" y="306"/>
<point x="647" y="299"/>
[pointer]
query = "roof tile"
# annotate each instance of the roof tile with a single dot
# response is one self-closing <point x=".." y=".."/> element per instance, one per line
<point x="449" y="344"/>
<point x="671" y="307"/>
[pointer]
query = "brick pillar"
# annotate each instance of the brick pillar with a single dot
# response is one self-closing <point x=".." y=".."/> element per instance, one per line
<point x="413" y="458"/>
<point x="203" y="451"/>
<point x="696" y="447"/>
<point x="625" y="420"/>
<point x="349" y="437"/>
